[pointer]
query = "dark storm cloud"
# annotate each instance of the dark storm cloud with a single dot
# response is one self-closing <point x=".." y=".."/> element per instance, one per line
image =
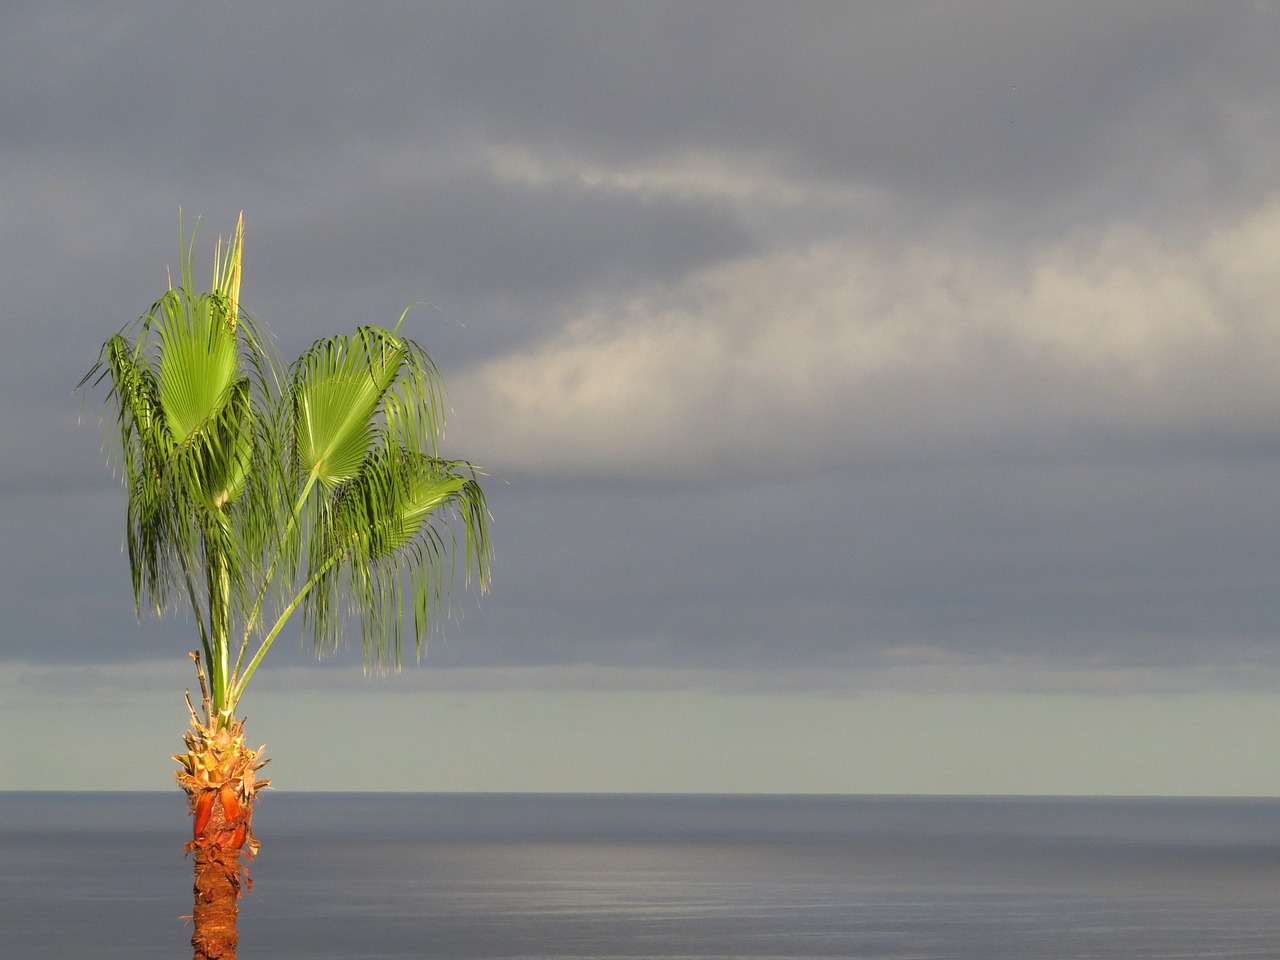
<point x="473" y="241"/>
<point x="361" y="141"/>
<point x="953" y="103"/>
<point x="1102" y="560"/>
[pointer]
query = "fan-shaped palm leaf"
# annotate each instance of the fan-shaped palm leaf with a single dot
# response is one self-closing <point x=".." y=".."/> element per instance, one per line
<point x="338" y="386"/>
<point x="385" y="527"/>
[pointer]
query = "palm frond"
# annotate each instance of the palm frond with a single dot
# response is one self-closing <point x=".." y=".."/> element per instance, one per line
<point x="337" y="388"/>
<point x="251" y="487"/>
<point x="197" y="359"/>
<point x="388" y="528"/>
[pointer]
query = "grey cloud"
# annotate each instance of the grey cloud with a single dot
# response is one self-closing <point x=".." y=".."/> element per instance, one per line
<point x="470" y="242"/>
<point x="1157" y="563"/>
<point x="1048" y="106"/>
<point x="1040" y="106"/>
<point x="355" y="139"/>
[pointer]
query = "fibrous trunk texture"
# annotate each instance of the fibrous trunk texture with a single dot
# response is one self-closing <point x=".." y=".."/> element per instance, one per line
<point x="217" y="883"/>
<point x="218" y="775"/>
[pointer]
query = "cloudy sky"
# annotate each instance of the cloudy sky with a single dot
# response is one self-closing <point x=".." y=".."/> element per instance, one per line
<point x="874" y="397"/>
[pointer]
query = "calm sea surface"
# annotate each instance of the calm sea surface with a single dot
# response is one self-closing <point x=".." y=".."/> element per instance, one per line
<point x="363" y="876"/>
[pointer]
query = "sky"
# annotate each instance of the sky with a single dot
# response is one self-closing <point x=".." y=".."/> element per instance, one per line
<point x="872" y="398"/>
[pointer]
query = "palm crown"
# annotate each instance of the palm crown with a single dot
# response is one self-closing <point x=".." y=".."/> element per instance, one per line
<point x="256" y="489"/>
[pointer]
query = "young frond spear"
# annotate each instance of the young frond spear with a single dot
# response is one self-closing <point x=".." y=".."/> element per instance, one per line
<point x="255" y="491"/>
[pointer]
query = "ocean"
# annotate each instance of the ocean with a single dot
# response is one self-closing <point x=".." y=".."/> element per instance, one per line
<point x="496" y="876"/>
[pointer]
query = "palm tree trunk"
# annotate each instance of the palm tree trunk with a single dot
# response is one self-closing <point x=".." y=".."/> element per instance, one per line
<point x="219" y="775"/>
<point x="219" y="837"/>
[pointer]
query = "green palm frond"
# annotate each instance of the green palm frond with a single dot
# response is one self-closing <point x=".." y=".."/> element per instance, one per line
<point x="252" y="488"/>
<point x="337" y="388"/>
<point x="386" y="529"/>
<point x="197" y="359"/>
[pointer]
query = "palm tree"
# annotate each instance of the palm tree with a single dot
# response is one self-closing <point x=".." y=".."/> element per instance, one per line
<point x="257" y="490"/>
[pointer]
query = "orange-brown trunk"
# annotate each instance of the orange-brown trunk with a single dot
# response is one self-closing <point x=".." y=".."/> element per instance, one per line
<point x="219" y="836"/>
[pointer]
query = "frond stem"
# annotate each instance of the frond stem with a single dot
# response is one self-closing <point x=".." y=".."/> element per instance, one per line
<point x="256" y="610"/>
<point x="237" y="690"/>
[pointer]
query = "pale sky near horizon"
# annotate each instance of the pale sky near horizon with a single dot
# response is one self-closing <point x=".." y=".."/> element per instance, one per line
<point x="874" y="397"/>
